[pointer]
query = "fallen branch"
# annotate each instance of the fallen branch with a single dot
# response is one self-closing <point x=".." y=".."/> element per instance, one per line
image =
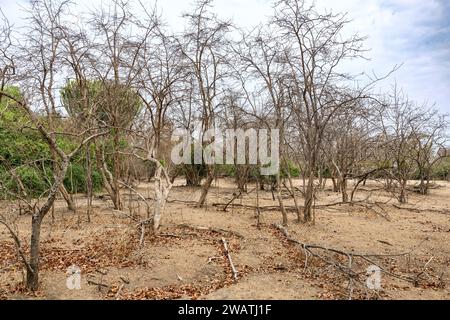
<point x="119" y="291"/>
<point x="309" y="248"/>
<point x="424" y="269"/>
<point x="194" y="203"/>
<point x="211" y="259"/>
<point x="98" y="284"/>
<point x="236" y="196"/>
<point x="227" y="252"/>
<point x="417" y="210"/>
<point x="126" y="215"/>
<point x="287" y="208"/>
<point x="171" y="235"/>
<point x="382" y="214"/>
<point x="215" y="230"/>
<point x="125" y="279"/>
<point x="385" y="242"/>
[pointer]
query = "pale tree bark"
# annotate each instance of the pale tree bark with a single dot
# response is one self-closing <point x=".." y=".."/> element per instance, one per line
<point x="163" y="186"/>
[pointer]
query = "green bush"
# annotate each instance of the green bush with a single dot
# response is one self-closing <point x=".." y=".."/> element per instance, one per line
<point x="75" y="180"/>
<point x="294" y="171"/>
<point x="33" y="180"/>
<point x="25" y="151"/>
<point x="17" y="148"/>
<point x="227" y="170"/>
<point x="441" y="171"/>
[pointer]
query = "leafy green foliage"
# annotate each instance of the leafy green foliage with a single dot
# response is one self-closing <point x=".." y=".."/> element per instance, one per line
<point x="75" y="180"/>
<point x="294" y="171"/>
<point x="25" y="156"/>
<point x="73" y="100"/>
<point x="441" y="170"/>
<point x="33" y="180"/>
<point x="107" y="102"/>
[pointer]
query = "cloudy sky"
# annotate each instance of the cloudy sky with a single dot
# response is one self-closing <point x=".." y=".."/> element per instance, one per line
<point x="415" y="33"/>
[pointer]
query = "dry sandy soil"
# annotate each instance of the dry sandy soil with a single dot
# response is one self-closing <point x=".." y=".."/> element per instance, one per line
<point x="186" y="260"/>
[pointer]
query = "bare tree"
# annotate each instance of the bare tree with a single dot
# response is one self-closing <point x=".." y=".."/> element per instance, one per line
<point x="429" y="137"/>
<point x="203" y="45"/>
<point x="63" y="160"/>
<point x="314" y="50"/>
<point x="41" y="56"/>
<point x="6" y="54"/>
<point x="117" y="50"/>
<point x="160" y="73"/>
<point x="349" y="146"/>
<point x="79" y="97"/>
<point x="398" y="118"/>
<point x="262" y="63"/>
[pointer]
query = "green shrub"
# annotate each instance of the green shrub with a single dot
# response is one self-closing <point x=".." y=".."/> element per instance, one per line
<point x="227" y="170"/>
<point x="294" y="171"/>
<point x="75" y="180"/>
<point x="18" y="148"/>
<point x="27" y="152"/>
<point x="33" y="180"/>
<point x="441" y="171"/>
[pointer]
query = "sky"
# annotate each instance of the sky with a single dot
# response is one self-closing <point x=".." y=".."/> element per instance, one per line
<point x="411" y="33"/>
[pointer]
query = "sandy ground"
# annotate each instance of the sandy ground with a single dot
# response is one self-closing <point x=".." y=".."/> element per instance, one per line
<point x="186" y="260"/>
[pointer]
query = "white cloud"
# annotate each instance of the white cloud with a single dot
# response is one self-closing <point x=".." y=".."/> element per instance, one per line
<point x="413" y="32"/>
<point x="408" y="32"/>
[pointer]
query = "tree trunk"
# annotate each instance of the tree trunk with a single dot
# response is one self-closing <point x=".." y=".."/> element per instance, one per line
<point x="335" y="185"/>
<point x="424" y="182"/>
<point x="192" y="174"/>
<point x="33" y="276"/>
<point x="162" y="190"/>
<point x="344" y="190"/>
<point x="32" y="281"/>
<point x="324" y="183"/>
<point x="403" y="198"/>
<point x="56" y="168"/>
<point x="320" y="177"/>
<point x="427" y="185"/>
<point x="291" y="185"/>
<point x="108" y="178"/>
<point x="158" y="199"/>
<point x="89" y="186"/>
<point x="68" y="198"/>
<point x="422" y="186"/>
<point x="309" y="199"/>
<point x="116" y="173"/>
<point x="241" y="177"/>
<point x="258" y="211"/>
<point x="205" y="187"/>
<point x="280" y="201"/>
